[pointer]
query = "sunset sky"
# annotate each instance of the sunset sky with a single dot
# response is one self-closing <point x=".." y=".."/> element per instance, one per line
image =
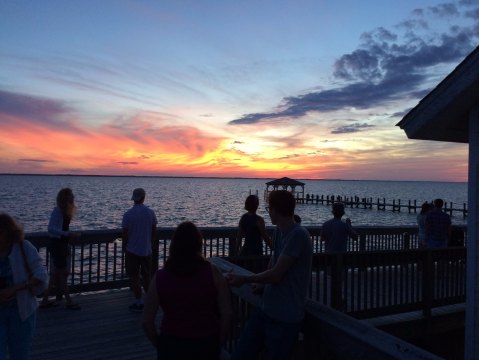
<point x="246" y="88"/>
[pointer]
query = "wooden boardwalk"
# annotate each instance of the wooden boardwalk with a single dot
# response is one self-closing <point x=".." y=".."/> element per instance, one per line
<point x="104" y="328"/>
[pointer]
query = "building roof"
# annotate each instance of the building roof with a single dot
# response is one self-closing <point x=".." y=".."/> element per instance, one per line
<point x="443" y="115"/>
<point x="285" y="181"/>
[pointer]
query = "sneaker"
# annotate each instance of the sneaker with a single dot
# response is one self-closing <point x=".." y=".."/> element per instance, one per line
<point x="136" y="308"/>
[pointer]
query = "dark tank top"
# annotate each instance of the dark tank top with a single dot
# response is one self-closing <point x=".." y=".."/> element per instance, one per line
<point x="252" y="242"/>
<point x="189" y="303"/>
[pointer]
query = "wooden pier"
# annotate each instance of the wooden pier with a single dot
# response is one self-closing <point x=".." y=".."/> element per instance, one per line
<point x="411" y="206"/>
<point x="383" y="274"/>
<point x="104" y="328"/>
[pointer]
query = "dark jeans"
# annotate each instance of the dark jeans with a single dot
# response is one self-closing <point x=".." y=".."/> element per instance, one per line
<point x="262" y="332"/>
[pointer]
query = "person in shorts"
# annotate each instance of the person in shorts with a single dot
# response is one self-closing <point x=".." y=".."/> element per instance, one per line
<point x="139" y="231"/>
<point x="60" y="249"/>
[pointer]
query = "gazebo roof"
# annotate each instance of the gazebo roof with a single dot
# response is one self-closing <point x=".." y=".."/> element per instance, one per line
<point x="443" y="114"/>
<point x="285" y="181"/>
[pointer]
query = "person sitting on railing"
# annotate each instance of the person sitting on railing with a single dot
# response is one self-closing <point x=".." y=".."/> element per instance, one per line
<point x="194" y="298"/>
<point x="22" y="276"/>
<point x="335" y="232"/>
<point x="276" y="324"/>
<point x="252" y="227"/>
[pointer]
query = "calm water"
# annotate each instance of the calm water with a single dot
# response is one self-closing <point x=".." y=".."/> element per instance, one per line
<point x="101" y="201"/>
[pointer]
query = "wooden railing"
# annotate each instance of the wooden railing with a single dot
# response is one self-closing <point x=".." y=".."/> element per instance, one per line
<point x="98" y="261"/>
<point x="326" y="333"/>
<point x="366" y="284"/>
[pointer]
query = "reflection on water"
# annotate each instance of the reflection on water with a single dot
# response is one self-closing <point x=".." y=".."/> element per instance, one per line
<point x="102" y="201"/>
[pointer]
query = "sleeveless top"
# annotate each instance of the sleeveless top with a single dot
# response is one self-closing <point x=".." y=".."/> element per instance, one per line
<point x="189" y="303"/>
<point x="253" y="244"/>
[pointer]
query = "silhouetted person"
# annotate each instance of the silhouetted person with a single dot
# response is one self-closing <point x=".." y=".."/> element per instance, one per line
<point x="139" y="231"/>
<point x="335" y="232"/>
<point x="421" y="223"/>
<point x="438" y="226"/>
<point x="59" y="248"/>
<point x="253" y="228"/>
<point x="276" y="323"/>
<point x="22" y="276"/>
<point x="194" y="298"/>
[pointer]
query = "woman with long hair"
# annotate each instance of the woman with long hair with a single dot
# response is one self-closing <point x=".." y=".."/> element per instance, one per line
<point x="194" y="298"/>
<point x="22" y="276"/>
<point x="59" y="248"/>
<point x="252" y="227"/>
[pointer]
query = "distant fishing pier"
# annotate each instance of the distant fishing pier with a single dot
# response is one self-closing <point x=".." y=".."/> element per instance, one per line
<point x="411" y="206"/>
<point x="297" y="188"/>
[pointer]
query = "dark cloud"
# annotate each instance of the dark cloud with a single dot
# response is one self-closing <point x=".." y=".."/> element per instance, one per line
<point x="352" y="128"/>
<point x="401" y="114"/>
<point x="383" y="68"/>
<point x="31" y="107"/>
<point x="473" y="14"/>
<point x="46" y="112"/>
<point x="468" y="2"/>
<point x="238" y="142"/>
<point x="127" y="162"/>
<point x="34" y="161"/>
<point x="444" y="10"/>
<point x="253" y="118"/>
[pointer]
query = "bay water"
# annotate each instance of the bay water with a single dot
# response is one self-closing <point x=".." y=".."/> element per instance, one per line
<point x="208" y="202"/>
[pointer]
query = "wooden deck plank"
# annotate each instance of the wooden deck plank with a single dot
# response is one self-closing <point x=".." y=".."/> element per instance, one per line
<point x="104" y="328"/>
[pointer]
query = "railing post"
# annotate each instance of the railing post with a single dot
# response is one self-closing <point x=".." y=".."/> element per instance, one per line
<point x="337" y="282"/>
<point x="427" y="283"/>
<point x="362" y="242"/>
<point x="406" y="240"/>
<point x="155" y="254"/>
<point x="232" y="246"/>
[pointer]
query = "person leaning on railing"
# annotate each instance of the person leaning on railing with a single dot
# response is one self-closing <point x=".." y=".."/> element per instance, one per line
<point x="276" y="324"/>
<point x="252" y="227"/>
<point x="59" y="248"/>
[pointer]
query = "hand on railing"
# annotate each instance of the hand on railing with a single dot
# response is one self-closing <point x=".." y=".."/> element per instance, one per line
<point x="257" y="289"/>
<point x="235" y="279"/>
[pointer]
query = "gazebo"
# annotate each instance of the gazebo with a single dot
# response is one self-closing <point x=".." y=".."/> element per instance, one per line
<point x="285" y="183"/>
<point x="450" y="112"/>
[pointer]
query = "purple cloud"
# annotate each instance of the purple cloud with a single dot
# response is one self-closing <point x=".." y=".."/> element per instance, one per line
<point x="31" y="107"/>
<point x="383" y="69"/>
<point x="46" y="112"/>
<point x="34" y="161"/>
<point x="352" y="128"/>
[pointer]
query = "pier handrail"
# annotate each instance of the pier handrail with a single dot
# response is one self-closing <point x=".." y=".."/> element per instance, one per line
<point x="327" y="333"/>
<point x="98" y="259"/>
<point x="367" y="284"/>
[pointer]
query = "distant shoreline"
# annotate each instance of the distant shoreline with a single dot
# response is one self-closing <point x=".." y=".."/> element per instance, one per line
<point x="220" y="177"/>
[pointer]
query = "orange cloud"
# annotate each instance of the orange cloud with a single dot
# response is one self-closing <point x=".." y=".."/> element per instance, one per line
<point x="153" y="144"/>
